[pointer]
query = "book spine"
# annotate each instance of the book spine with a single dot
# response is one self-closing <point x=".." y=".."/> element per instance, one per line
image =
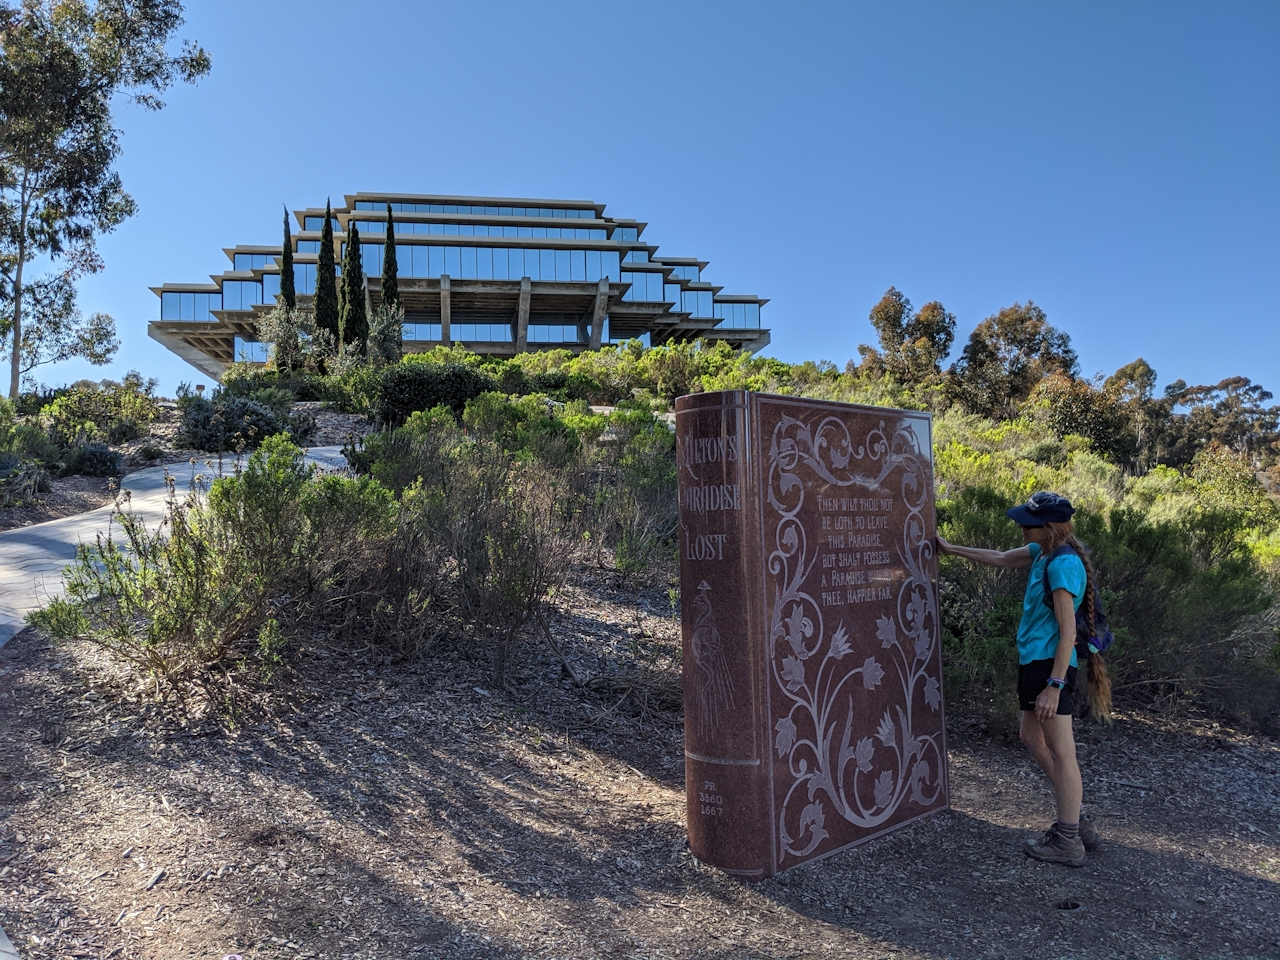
<point x="725" y="775"/>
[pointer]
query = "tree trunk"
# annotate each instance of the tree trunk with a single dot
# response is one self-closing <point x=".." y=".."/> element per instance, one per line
<point x="15" y="365"/>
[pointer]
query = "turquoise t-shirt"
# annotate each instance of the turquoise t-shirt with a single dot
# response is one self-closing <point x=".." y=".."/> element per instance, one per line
<point x="1038" y="629"/>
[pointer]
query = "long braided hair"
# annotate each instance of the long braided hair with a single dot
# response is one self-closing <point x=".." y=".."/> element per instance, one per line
<point x="1099" y="681"/>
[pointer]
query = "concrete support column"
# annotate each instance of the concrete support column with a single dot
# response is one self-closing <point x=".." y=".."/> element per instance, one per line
<point x="522" y="316"/>
<point x="446" y="334"/>
<point x="598" y="313"/>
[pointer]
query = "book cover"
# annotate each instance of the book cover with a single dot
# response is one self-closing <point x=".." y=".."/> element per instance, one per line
<point x="812" y="668"/>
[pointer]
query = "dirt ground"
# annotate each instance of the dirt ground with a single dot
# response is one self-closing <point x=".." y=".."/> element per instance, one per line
<point x="413" y="811"/>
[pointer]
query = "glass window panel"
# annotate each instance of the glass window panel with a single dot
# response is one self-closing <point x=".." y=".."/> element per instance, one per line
<point x="631" y="279"/>
<point x="499" y="258"/>
<point x="453" y="261"/>
<point x="186" y="306"/>
<point x="270" y="288"/>
<point x="593" y="265"/>
<point x="609" y="261"/>
<point x="468" y="263"/>
<point x="312" y="223"/>
<point x="547" y="264"/>
<point x="671" y="293"/>
<point x="686" y="301"/>
<point x="504" y="211"/>
<point x="436" y="267"/>
<point x="450" y="229"/>
<point x="539" y="233"/>
<point x="308" y="246"/>
<point x="230" y="295"/>
<point x="753" y="316"/>
<point x="578" y="265"/>
<point x="466" y="230"/>
<point x="168" y="306"/>
<point x="704" y="303"/>
<point x="421" y="265"/>
<point x="450" y="208"/>
<point x="484" y="263"/>
<point x="562" y="265"/>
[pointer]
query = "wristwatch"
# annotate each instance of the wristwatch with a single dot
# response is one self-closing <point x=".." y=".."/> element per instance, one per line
<point x="1056" y="683"/>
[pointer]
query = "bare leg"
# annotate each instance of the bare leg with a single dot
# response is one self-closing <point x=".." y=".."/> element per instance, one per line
<point x="1032" y="737"/>
<point x="1060" y="744"/>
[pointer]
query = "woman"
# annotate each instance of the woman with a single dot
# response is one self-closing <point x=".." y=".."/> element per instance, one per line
<point x="1047" y="661"/>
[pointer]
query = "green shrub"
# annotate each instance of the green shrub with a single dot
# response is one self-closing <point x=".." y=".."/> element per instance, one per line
<point x="110" y="411"/>
<point x="94" y="460"/>
<point x="21" y="481"/>
<point x="175" y="602"/>
<point x="261" y="509"/>
<point x="230" y="423"/>
<point x="408" y="387"/>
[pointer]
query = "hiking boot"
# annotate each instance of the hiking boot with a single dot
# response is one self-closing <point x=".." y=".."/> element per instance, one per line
<point x="1089" y="835"/>
<point x="1053" y="847"/>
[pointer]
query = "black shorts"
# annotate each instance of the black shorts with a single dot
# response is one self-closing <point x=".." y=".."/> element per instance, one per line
<point x="1033" y="677"/>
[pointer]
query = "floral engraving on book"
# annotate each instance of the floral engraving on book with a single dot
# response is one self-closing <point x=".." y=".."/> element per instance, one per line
<point x="831" y="772"/>
<point x="713" y="689"/>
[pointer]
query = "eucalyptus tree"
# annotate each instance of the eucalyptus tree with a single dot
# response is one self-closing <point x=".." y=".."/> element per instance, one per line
<point x="62" y="65"/>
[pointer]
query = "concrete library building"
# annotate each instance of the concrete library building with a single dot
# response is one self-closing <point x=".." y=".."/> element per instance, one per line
<point x="498" y="275"/>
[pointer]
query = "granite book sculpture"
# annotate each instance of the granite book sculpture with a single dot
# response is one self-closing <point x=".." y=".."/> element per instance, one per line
<point x="812" y="669"/>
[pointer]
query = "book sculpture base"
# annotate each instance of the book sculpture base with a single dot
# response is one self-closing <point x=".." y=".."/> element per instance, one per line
<point x="812" y="669"/>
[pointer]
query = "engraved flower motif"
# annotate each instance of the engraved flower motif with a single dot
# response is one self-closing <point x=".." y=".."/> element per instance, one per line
<point x="793" y="673"/>
<point x="919" y="774"/>
<point x="863" y="753"/>
<point x="932" y="693"/>
<point x="840" y="642"/>
<point x="872" y="673"/>
<point x="799" y="628"/>
<point x="813" y="818"/>
<point x="884" y="788"/>
<point x="886" y="631"/>
<point x="786" y="735"/>
<point x="886" y="730"/>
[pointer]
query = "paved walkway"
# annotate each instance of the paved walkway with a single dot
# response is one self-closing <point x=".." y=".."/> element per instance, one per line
<point x="32" y="558"/>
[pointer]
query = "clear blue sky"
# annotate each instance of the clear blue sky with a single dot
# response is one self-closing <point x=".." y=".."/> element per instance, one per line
<point x="1117" y="163"/>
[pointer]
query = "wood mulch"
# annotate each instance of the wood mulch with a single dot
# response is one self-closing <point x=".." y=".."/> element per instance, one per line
<point x="358" y="809"/>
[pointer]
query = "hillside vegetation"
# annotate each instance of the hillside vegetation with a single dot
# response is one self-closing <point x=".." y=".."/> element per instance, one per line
<point x="490" y="482"/>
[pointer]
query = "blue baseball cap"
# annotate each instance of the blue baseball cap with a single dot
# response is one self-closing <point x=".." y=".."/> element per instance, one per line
<point x="1043" y="507"/>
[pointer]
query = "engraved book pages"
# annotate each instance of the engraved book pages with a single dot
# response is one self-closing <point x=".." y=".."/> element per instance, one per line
<point x="812" y="668"/>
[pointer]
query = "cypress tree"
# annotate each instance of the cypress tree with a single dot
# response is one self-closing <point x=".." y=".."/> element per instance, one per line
<point x="353" y="317"/>
<point x="326" y="300"/>
<point x="287" y="294"/>
<point x="390" y="271"/>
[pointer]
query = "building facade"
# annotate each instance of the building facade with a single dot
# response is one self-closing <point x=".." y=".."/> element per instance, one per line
<point x="497" y="275"/>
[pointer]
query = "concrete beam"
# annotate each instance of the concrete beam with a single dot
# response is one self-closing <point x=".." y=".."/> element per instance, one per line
<point x="197" y="358"/>
<point x="446" y="335"/>
<point x="522" y="316"/>
<point x="597" y="314"/>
